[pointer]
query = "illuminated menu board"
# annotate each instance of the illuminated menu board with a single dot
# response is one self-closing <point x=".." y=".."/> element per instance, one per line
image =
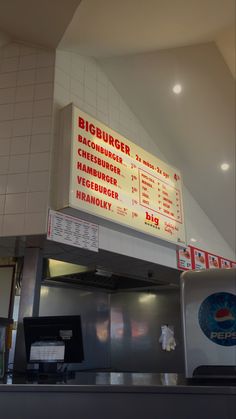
<point x="114" y="179"/>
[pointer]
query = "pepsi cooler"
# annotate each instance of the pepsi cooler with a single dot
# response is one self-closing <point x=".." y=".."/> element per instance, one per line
<point x="208" y="300"/>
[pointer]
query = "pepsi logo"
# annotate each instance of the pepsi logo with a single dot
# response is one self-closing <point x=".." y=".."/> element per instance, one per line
<point x="217" y="318"/>
<point x="223" y="314"/>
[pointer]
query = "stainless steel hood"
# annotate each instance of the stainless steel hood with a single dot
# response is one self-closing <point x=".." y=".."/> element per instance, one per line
<point x="99" y="277"/>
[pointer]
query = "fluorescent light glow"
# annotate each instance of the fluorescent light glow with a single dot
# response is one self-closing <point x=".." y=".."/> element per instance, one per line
<point x="147" y="298"/>
<point x="224" y="166"/>
<point x="44" y="291"/>
<point x="177" y="89"/>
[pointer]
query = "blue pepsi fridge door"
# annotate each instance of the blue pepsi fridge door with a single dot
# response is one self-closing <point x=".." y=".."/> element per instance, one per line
<point x="208" y="299"/>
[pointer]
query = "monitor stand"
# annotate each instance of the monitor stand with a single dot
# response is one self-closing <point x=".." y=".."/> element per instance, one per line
<point x="48" y="368"/>
<point x="47" y="373"/>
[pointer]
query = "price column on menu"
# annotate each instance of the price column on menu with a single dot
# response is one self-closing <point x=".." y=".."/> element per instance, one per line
<point x="130" y="190"/>
<point x="150" y="201"/>
<point x="159" y="196"/>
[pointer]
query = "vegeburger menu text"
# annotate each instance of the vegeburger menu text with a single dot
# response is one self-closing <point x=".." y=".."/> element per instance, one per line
<point x="114" y="179"/>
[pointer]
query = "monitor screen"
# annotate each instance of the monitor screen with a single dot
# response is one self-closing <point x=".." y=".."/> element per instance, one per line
<point x="53" y="339"/>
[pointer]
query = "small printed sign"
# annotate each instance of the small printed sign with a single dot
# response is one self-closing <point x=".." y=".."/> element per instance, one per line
<point x="225" y="263"/>
<point x="193" y="258"/>
<point x="65" y="229"/>
<point x="184" y="258"/>
<point x="200" y="259"/>
<point x="213" y="261"/>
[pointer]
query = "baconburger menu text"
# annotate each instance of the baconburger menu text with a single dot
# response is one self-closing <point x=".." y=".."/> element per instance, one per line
<point x="112" y="178"/>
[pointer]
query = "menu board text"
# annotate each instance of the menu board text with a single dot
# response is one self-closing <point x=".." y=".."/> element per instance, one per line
<point x="113" y="178"/>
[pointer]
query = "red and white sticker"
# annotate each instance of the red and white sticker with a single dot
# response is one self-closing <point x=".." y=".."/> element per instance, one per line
<point x="184" y="258"/>
<point x="225" y="263"/>
<point x="213" y="261"/>
<point x="200" y="259"/>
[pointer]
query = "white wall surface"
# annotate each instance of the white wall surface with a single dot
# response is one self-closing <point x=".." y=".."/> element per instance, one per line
<point x="27" y="125"/>
<point x="80" y="80"/>
<point x="26" y="99"/>
<point x="199" y="226"/>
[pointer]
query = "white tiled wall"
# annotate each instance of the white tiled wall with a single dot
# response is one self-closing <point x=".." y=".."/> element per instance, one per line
<point x="32" y="91"/>
<point x="26" y="103"/>
<point x="81" y="81"/>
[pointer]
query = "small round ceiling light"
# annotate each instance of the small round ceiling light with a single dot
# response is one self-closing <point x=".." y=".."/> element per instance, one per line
<point x="224" y="166"/>
<point x="177" y="89"/>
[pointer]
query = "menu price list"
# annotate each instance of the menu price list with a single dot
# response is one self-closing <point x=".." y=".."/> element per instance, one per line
<point x="159" y="196"/>
<point x="69" y="230"/>
<point x="115" y="183"/>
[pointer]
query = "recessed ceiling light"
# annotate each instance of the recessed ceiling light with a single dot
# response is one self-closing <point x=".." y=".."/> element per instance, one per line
<point x="224" y="166"/>
<point x="177" y="89"/>
<point x="193" y="240"/>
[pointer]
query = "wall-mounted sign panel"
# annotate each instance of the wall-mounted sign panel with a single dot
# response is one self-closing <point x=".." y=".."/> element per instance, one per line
<point x="65" y="229"/>
<point x="191" y="257"/>
<point x="225" y="263"/>
<point x="213" y="261"/>
<point x="114" y="179"/>
<point x="184" y="259"/>
<point x="199" y="259"/>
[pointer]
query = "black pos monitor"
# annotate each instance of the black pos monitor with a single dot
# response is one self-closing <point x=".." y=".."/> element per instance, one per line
<point x="53" y="340"/>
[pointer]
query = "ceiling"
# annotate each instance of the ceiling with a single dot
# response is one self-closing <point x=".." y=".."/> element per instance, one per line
<point x="195" y="130"/>
<point x="110" y="27"/>
<point x="36" y="22"/>
<point x="145" y="47"/>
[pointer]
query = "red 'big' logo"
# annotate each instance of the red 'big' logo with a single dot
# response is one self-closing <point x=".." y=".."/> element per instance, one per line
<point x="150" y="217"/>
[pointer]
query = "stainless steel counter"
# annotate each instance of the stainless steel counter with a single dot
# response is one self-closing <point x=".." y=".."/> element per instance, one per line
<point x="116" y="382"/>
<point x="105" y="395"/>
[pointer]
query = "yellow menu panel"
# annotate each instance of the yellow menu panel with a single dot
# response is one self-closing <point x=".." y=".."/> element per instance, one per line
<point x="113" y="178"/>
